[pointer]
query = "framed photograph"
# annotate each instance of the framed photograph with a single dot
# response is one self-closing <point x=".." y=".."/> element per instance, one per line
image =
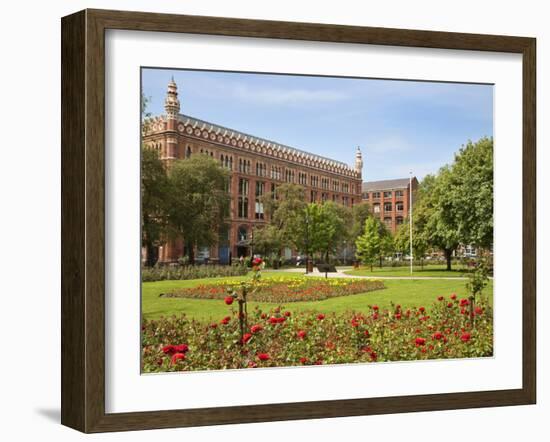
<point x="267" y="221"/>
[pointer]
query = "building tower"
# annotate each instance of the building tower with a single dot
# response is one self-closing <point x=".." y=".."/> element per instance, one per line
<point x="359" y="161"/>
<point x="172" y="108"/>
<point x="171" y="102"/>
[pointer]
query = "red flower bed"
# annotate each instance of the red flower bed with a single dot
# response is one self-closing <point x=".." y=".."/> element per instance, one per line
<point x="281" y="290"/>
<point x="276" y="338"/>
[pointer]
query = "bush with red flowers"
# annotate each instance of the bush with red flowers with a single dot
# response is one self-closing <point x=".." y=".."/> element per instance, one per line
<point x="275" y="339"/>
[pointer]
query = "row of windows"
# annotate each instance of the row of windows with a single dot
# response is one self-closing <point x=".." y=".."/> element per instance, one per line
<point x="226" y="161"/>
<point x="388" y="221"/>
<point x="387" y="194"/>
<point x="388" y="207"/>
<point x="276" y="172"/>
<point x="244" y="166"/>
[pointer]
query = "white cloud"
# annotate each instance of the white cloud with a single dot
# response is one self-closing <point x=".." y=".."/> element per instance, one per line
<point x="281" y="96"/>
<point x="388" y="145"/>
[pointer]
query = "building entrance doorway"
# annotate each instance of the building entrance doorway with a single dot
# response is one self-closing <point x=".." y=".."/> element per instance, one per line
<point x="243" y="251"/>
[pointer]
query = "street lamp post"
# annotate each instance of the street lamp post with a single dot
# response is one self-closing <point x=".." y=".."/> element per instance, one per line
<point x="411" y="220"/>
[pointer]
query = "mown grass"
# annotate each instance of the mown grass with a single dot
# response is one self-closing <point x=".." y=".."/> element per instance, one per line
<point x="408" y="293"/>
<point x="437" y="270"/>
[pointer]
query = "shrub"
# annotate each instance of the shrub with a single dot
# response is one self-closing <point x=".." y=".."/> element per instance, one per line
<point x="149" y="274"/>
<point x="280" y="337"/>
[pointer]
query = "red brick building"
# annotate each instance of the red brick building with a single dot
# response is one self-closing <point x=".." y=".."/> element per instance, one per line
<point x="257" y="167"/>
<point x="390" y="200"/>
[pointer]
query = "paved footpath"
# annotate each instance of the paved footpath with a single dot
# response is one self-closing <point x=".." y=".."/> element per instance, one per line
<point x="340" y="274"/>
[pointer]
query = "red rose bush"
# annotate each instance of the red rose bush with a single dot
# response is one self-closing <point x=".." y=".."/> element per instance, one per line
<point x="282" y="337"/>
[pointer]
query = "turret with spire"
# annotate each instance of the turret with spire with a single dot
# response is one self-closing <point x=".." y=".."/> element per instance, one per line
<point x="358" y="161"/>
<point x="171" y="102"/>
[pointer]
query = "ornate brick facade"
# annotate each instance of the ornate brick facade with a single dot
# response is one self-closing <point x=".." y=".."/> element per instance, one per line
<point x="257" y="166"/>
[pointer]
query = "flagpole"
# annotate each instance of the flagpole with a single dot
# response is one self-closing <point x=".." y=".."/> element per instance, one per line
<point x="411" y="220"/>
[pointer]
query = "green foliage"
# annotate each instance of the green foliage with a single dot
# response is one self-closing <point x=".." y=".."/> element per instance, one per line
<point x="151" y="274"/>
<point x="155" y="187"/>
<point x="359" y="214"/>
<point x="456" y="206"/>
<point x="326" y="227"/>
<point x="285" y="212"/>
<point x="369" y="244"/>
<point x="478" y="278"/>
<point x="198" y="201"/>
<point x="420" y="242"/>
<point x="470" y="193"/>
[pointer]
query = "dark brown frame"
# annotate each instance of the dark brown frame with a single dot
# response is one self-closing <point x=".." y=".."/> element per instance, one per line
<point x="83" y="215"/>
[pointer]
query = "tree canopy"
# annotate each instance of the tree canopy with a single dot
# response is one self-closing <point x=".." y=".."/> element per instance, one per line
<point x="198" y="201"/>
<point x="154" y="188"/>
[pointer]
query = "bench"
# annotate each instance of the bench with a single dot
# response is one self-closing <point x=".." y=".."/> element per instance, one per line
<point x="326" y="268"/>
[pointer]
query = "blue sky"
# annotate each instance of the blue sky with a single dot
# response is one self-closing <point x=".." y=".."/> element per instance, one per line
<point x="399" y="125"/>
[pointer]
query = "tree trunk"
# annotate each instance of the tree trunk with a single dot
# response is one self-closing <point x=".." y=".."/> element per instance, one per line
<point x="380" y="260"/>
<point x="191" y="253"/>
<point x="150" y="252"/>
<point x="448" y="256"/>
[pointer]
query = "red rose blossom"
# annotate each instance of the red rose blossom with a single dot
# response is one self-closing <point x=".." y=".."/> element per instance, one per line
<point x="225" y="320"/>
<point x="398" y="316"/>
<point x="182" y="348"/>
<point x="263" y="357"/>
<point x="420" y="341"/>
<point x="228" y="300"/>
<point x="246" y="337"/>
<point x="440" y="298"/>
<point x="422" y="309"/>
<point x="177" y="357"/>
<point x="464" y="302"/>
<point x="437" y="335"/>
<point x="169" y="349"/>
<point x="375" y="307"/>
<point x="450" y="304"/>
<point x="465" y="337"/>
<point x="320" y="316"/>
<point x="256" y="328"/>
<point x="287" y="314"/>
<point x="453" y="296"/>
<point x="303" y="360"/>
<point x="301" y="334"/>
<point x="478" y="310"/>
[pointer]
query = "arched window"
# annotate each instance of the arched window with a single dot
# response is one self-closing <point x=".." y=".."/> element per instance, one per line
<point x="188" y="152"/>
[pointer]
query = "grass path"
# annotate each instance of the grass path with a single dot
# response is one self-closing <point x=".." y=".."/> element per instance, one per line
<point x="408" y="293"/>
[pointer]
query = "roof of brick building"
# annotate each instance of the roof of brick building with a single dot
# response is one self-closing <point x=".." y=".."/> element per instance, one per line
<point x="217" y="128"/>
<point x="401" y="183"/>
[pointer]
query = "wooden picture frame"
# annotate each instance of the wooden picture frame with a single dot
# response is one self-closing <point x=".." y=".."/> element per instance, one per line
<point x="83" y="220"/>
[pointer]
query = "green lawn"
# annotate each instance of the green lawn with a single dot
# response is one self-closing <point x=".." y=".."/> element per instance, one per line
<point x="408" y="293"/>
<point x="437" y="270"/>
